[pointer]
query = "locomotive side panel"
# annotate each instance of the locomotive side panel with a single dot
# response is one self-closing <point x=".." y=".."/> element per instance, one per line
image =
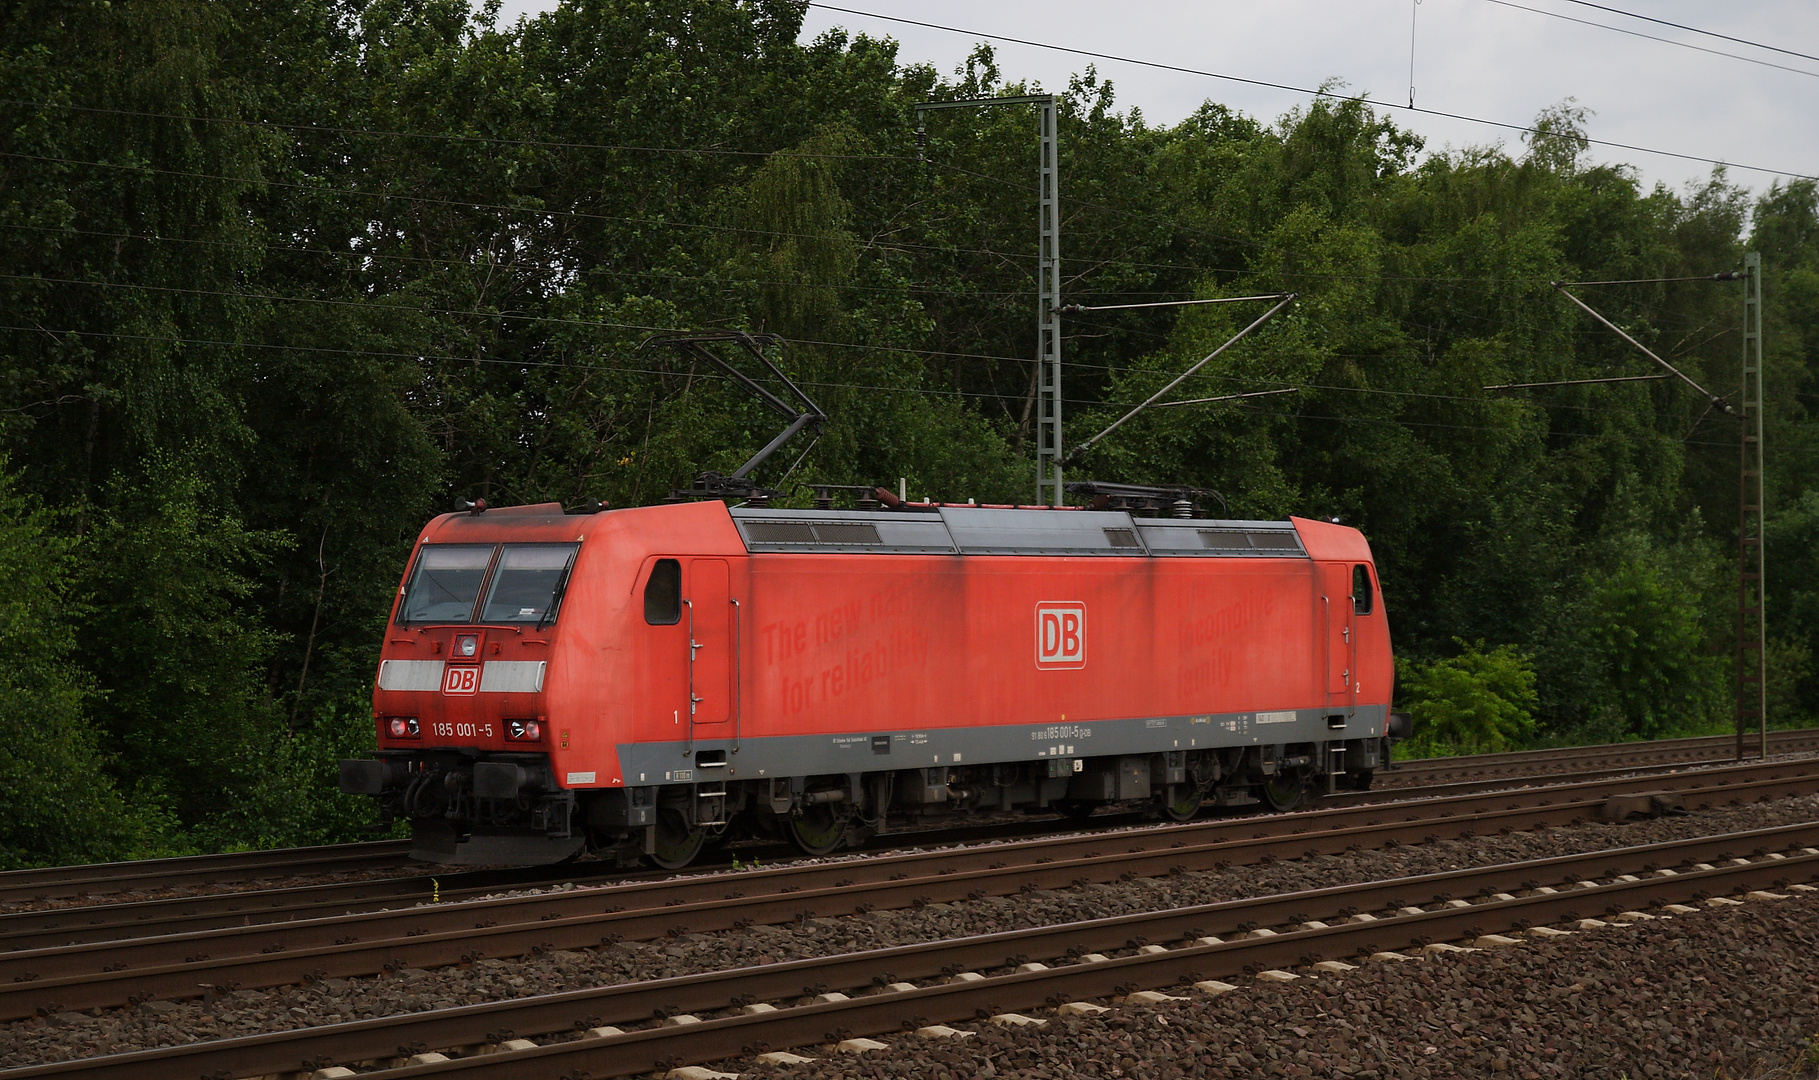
<point x="1137" y="638"/>
<point x="845" y="643"/>
<point x="1357" y="658"/>
<point x="952" y="660"/>
<point x="1243" y="635"/>
<point x="587" y="662"/>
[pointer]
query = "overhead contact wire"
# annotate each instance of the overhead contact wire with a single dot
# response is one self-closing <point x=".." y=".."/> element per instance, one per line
<point x="1326" y="94"/>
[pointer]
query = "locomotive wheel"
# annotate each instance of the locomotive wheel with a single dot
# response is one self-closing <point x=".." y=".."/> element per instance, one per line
<point x="819" y="831"/>
<point x="677" y="844"/>
<point x="1184" y="805"/>
<point x="1285" y="792"/>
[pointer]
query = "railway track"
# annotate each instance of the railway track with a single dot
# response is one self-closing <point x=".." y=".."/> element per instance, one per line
<point x="117" y="919"/>
<point x="112" y="920"/>
<point x="1204" y="964"/>
<point x="391" y="856"/>
<point x="717" y="1015"/>
<point x="66" y="881"/>
<point x="112" y="973"/>
<point x="1708" y="749"/>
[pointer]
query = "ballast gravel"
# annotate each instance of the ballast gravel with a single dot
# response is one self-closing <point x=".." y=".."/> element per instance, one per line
<point x="1786" y="961"/>
<point x="1731" y="993"/>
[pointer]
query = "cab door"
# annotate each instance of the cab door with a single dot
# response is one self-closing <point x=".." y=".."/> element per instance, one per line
<point x="1341" y="635"/>
<point x="709" y="608"/>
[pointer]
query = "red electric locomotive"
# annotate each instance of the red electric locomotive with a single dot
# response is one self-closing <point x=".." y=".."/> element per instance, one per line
<point x="640" y="681"/>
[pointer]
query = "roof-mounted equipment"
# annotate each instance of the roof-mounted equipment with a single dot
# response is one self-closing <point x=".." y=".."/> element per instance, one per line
<point x="865" y="496"/>
<point x="1172" y="500"/>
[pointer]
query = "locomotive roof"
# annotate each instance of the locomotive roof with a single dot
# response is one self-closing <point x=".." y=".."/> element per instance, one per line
<point x="938" y="530"/>
<point x="982" y="530"/>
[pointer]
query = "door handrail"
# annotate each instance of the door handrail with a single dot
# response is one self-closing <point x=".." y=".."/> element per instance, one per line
<point x="738" y="667"/>
<point x="688" y="742"/>
<point x="1326" y="648"/>
<point x="1351" y="663"/>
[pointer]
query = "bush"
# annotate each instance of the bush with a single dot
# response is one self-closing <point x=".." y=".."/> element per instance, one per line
<point x="1475" y="703"/>
<point x="290" y="796"/>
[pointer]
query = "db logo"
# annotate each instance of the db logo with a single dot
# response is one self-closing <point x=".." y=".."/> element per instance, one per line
<point x="1060" y="635"/>
<point x="460" y="680"/>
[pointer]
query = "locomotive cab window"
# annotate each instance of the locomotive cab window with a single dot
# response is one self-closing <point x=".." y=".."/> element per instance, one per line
<point x="663" y="594"/>
<point x="1361" y="590"/>
<point x="446" y="583"/>
<point x="528" y="586"/>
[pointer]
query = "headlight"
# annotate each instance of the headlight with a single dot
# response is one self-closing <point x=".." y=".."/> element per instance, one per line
<point x="467" y="645"/>
<point x="523" y="730"/>
<point x="402" y="727"/>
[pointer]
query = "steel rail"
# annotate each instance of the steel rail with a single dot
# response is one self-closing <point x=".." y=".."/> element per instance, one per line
<point x="65" y="881"/>
<point x="427" y="935"/>
<point x="626" y="1003"/>
<point x="61" y="881"/>
<point x="100" y="976"/>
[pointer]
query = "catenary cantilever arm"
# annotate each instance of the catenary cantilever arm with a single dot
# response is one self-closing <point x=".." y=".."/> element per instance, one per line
<point x="1719" y="403"/>
<point x="1285" y="299"/>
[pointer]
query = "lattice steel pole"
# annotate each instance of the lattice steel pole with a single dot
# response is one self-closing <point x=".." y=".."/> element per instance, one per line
<point x="1752" y="621"/>
<point x="1048" y="285"/>
<point x="1048" y="315"/>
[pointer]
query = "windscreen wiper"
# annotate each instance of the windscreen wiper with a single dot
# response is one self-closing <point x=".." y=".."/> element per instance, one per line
<point x="555" y="600"/>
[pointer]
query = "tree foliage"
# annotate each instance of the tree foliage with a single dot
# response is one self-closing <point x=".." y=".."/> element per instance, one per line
<point x="57" y="802"/>
<point x="280" y="280"/>
<point x="1477" y="702"/>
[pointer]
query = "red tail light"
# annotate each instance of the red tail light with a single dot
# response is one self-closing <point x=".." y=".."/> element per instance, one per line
<point x="400" y="727"/>
<point x="524" y="730"/>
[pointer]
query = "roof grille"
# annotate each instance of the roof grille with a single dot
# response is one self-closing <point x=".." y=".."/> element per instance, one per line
<point x="1275" y="541"/>
<point x="830" y="532"/>
<point x="1221" y="540"/>
<point x="1240" y="542"/>
<point x="802" y="532"/>
<point x="780" y="532"/>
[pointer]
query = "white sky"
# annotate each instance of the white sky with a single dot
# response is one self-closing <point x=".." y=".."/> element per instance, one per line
<point x="1474" y="57"/>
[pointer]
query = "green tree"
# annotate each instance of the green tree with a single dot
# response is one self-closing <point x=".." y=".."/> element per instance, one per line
<point x="1477" y="702"/>
<point x="58" y="802"/>
<point x="170" y="620"/>
<point x="1653" y="630"/>
<point x="1792" y="536"/>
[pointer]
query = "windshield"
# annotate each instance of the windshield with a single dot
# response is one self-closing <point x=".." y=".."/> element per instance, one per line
<point x="527" y="587"/>
<point x="446" y="583"/>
